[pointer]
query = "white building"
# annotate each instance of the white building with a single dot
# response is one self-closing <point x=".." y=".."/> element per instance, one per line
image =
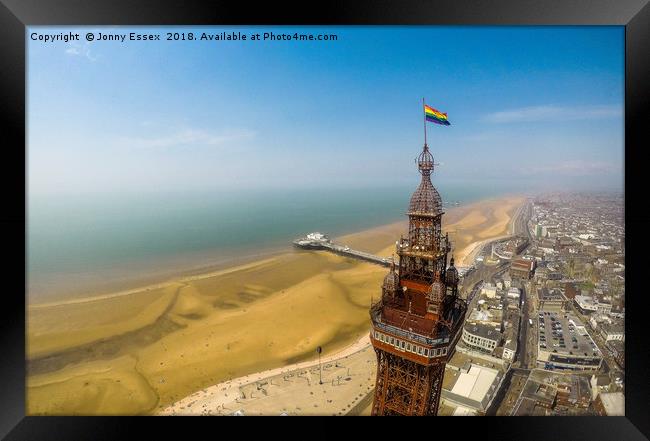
<point x="612" y="332"/>
<point x="610" y="404"/>
<point x="514" y="293"/>
<point x="320" y="237"/>
<point x="586" y="303"/>
<point x="485" y="338"/>
<point x="509" y="348"/>
<point x="489" y="290"/>
<point x="473" y="389"/>
<point x="603" y="308"/>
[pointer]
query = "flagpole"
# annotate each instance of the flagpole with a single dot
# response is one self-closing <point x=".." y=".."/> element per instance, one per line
<point x="424" y="120"/>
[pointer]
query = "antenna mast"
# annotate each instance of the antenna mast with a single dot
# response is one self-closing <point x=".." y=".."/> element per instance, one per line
<point x="424" y="116"/>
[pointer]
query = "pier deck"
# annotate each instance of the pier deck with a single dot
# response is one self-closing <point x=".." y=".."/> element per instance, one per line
<point x="343" y="251"/>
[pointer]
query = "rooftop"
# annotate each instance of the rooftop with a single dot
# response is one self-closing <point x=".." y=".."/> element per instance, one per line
<point x="613" y="402"/>
<point x="550" y="295"/>
<point x="473" y="389"/>
<point x="521" y="264"/>
<point x="564" y="334"/>
<point x="542" y="393"/>
<point x="485" y="331"/>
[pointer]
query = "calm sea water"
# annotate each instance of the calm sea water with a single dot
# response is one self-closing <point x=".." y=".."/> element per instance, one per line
<point x="84" y="244"/>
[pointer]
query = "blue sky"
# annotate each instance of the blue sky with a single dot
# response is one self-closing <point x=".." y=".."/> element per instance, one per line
<point x="530" y="107"/>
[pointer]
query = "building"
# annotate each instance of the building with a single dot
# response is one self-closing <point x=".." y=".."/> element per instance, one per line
<point x="617" y="311"/>
<point x="574" y="391"/>
<point x="517" y="245"/>
<point x="489" y="290"/>
<point x="541" y="274"/>
<point x="481" y="337"/>
<point x="562" y="243"/>
<point x="507" y="280"/>
<point x="547" y="246"/>
<point x="551" y="299"/>
<point x="610" y="404"/>
<point x="591" y="304"/>
<point x="586" y="304"/>
<point x="597" y="320"/>
<point x="486" y="315"/>
<point x="510" y="345"/>
<point x="570" y="290"/>
<point x="419" y="317"/>
<point x="551" y="393"/>
<point x="603" y="307"/>
<point x="535" y="399"/>
<point x="473" y="387"/>
<point x="612" y="332"/>
<point x="509" y="248"/>
<point x="514" y="293"/>
<point x="617" y="349"/>
<point x="563" y="343"/>
<point x="522" y="268"/>
<point x="599" y="383"/>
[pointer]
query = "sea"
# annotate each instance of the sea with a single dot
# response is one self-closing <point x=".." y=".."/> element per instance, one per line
<point x="94" y="244"/>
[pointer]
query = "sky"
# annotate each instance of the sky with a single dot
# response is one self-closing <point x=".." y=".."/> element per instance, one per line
<point x="530" y="108"/>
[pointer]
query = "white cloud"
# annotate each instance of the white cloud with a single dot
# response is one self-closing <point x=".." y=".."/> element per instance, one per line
<point x="189" y="137"/>
<point x="554" y="113"/>
<point x="80" y="50"/>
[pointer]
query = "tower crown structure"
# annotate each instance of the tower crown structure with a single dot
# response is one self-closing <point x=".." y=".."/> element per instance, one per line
<point x="418" y="320"/>
<point x="425" y="161"/>
<point x="425" y="200"/>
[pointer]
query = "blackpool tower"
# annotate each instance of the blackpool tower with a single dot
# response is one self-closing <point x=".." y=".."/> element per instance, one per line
<point x="418" y="320"/>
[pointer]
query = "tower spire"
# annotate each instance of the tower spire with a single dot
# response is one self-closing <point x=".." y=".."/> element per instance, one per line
<point x="417" y="326"/>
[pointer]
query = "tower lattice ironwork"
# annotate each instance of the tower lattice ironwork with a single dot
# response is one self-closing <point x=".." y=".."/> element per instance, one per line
<point x="418" y="319"/>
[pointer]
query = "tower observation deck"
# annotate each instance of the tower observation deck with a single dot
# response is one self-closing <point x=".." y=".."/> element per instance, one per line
<point x="418" y="319"/>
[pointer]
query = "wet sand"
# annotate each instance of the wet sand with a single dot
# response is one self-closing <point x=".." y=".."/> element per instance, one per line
<point x="139" y="350"/>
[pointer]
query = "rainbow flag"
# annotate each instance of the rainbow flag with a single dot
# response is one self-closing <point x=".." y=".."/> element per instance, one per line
<point x="435" y="116"/>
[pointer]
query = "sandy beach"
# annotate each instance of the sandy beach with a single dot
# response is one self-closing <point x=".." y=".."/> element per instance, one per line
<point x="139" y="350"/>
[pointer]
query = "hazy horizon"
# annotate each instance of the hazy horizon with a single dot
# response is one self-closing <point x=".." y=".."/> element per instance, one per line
<point x="531" y="108"/>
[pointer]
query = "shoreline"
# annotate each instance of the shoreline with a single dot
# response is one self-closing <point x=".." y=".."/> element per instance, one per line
<point x="160" y="279"/>
<point x="146" y="349"/>
<point x="161" y="285"/>
<point x="153" y="277"/>
<point x="477" y="247"/>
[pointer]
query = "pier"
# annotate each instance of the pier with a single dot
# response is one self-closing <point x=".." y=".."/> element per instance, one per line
<point x="319" y="241"/>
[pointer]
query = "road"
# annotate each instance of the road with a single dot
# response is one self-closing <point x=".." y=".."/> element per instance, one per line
<point x="510" y="390"/>
<point x="483" y="272"/>
<point x="520" y="224"/>
<point x="522" y="346"/>
<point x="522" y="331"/>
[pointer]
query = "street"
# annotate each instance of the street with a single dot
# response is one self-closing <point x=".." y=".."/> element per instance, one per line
<point x="522" y="353"/>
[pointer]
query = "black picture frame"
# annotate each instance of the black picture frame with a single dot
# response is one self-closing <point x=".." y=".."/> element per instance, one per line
<point x="15" y="15"/>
